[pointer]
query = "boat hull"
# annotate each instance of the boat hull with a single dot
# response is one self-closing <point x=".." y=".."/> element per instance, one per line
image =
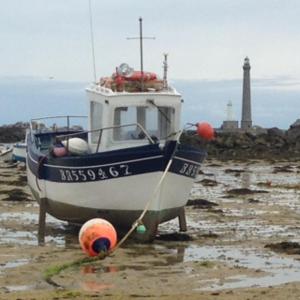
<point x="19" y="152"/>
<point x="6" y="155"/>
<point x="116" y="185"/>
<point x="122" y="219"/>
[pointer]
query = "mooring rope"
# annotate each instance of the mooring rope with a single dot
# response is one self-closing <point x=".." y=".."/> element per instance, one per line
<point x="139" y="221"/>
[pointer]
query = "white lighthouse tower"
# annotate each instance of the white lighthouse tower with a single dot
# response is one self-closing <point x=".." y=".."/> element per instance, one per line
<point x="229" y="111"/>
<point x="230" y="124"/>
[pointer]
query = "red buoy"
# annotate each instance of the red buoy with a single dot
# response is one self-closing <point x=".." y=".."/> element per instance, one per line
<point x="138" y="75"/>
<point x="205" y="131"/>
<point x="97" y="235"/>
<point x="60" y="151"/>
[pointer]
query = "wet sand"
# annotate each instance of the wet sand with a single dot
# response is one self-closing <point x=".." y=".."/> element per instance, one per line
<point x="238" y="209"/>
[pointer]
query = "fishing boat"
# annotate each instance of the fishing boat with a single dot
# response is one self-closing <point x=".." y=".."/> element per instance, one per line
<point x="19" y="152"/>
<point x="128" y="165"/>
<point x="5" y="153"/>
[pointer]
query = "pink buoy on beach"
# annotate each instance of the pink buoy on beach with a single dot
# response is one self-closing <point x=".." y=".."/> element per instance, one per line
<point x="97" y="235"/>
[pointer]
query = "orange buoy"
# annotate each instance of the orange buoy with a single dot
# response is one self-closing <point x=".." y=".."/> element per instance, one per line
<point x="205" y="130"/>
<point x="97" y="235"/>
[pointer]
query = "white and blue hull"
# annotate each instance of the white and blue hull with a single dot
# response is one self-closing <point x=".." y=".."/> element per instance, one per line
<point x="128" y="196"/>
<point x="115" y="185"/>
<point x="19" y="152"/>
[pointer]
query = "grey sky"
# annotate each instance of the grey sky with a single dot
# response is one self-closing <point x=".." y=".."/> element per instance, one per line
<point x="205" y="39"/>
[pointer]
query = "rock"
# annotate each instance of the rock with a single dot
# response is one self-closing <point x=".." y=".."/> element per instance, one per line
<point x="245" y="191"/>
<point x="13" y="133"/>
<point x="201" y="203"/>
<point x="233" y="171"/>
<point x="272" y="143"/>
<point x="182" y="237"/>
<point x="285" y="247"/>
<point x="283" y="169"/>
<point x="15" y="195"/>
<point x="208" y="182"/>
<point x="293" y="133"/>
<point x="253" y="201"/>
<point x="274" y="131"/>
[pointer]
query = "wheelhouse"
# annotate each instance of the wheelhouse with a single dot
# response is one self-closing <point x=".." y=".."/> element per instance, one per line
<point x="129" y="116"/>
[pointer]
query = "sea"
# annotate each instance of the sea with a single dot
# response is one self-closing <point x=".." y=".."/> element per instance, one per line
<point x="274" y="103"/>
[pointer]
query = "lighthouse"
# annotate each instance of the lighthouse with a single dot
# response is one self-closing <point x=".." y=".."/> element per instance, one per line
<point x="230" y="125"/>
<point x="246" y="123"/>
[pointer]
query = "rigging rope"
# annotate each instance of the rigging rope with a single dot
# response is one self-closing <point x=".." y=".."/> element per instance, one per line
<point x="140" y="218"/>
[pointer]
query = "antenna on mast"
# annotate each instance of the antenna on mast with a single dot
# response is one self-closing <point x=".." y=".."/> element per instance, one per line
<point x="165" y="65"/>
<point x="92" y="40"/>
<point x="141" y="38"/>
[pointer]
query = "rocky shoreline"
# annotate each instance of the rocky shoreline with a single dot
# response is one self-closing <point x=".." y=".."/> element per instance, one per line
<point x="13" y="133"/>
<point x="272" y="143"/>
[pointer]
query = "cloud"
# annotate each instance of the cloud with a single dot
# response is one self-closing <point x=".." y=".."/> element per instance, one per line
<point x="205" y="39"/>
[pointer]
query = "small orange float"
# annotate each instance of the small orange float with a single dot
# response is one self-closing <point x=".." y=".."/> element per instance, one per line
<point x="205" y="130"/>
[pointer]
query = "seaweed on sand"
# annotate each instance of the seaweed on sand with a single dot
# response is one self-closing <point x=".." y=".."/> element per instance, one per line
<point x="57" y="269"/>
<point x="15" y="195"/>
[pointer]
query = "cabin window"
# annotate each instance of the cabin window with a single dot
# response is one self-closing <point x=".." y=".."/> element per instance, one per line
<point x="158" y="121"/>
<point x="96" y="119"/>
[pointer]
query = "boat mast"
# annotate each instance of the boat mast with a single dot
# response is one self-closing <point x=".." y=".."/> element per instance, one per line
<point x="92" y="41"/>
<point x="141" y="53"/>
<point x="141" y="38"/>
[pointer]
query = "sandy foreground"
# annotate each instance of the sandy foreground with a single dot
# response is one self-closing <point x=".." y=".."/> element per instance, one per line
<point x="238" y="209"/>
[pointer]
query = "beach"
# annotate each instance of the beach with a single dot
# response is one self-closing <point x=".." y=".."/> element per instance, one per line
<point x="242" y="242"/>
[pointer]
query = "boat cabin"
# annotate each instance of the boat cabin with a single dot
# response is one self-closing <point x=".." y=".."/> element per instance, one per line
<point x="128" y="109"/>
<point x="131" y="119"/>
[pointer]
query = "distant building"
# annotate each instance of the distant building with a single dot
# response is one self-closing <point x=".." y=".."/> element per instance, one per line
<point x="246" y="123"/>
<point x="230" y="124"/>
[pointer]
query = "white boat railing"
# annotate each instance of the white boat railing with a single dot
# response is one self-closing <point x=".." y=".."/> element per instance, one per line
<point x="67" y="136"/>
<point x="34" y="123"/>
<point x="67" y="118"/>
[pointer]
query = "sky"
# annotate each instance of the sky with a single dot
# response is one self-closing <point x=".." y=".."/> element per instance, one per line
<point x="204" y="39"/>
<point x="207" y="41"/>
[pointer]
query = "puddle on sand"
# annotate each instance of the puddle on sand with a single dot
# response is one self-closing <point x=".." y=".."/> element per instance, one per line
<point x="13" y="264"/>
<point x="271" y="269"/>
<point x="278" y="269"/>
<point x="20" y="237"/>
<point x="242" y="229"/>
<point x="57" y="232"/>
<point x="18" y="288"/>
<point x="251" y="178"/>
<point x="240" y="225"/>
<point x="9" y="236"/>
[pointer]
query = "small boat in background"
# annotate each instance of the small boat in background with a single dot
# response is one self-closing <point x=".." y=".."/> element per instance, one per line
<point x="19" y="152"/>
<point x="5" y="153"/>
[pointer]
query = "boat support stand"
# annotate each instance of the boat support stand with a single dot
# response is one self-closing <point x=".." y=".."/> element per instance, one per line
<point x="182" y="220"/>
<point x="42" y="222"/>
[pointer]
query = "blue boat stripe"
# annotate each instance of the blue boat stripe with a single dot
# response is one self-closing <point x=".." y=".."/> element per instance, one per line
<point x="100" y="166"/>
<point x="188" y="160"/>
<point x="105" y="165"/>
<point x="115" y="164"/>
